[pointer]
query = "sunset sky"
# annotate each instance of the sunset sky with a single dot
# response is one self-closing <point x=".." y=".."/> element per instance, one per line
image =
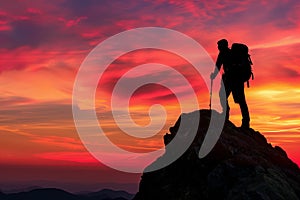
<point x="43" y="43"/>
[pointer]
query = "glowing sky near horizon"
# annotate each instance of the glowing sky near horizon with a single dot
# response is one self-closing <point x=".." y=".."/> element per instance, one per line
<point x="43" y="43"/>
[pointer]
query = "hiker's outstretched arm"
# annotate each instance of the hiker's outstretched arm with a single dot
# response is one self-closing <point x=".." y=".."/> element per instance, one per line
<point x="215" y="73"/>
<point x="217" y="67"/>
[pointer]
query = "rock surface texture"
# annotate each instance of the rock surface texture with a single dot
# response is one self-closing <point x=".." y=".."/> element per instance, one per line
<point x="242" y="165"/>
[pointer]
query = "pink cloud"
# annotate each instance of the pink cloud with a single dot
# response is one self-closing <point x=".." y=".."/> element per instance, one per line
<point x="72" y="22"/>
<point x="34" y="11"/>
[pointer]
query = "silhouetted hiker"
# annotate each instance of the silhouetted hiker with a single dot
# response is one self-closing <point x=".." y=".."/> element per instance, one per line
<point x="232" y="82"/>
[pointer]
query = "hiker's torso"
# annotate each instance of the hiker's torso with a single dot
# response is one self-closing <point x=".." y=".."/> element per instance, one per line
<point x="224" y="58"/>
<point x="231" y="75"/>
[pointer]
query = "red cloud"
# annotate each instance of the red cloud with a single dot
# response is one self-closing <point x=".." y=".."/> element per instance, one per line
<point x="79" y="157"/>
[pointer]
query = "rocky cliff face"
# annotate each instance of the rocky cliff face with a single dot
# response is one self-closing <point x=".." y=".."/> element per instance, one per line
<point x="242" y="165"/>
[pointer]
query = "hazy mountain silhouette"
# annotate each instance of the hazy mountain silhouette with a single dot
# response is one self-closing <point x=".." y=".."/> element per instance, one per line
<point x="22" y="189"/>
<point x="242" y="165"/>
<point x="73" y="187"/>
<point x="109" y="194"/>
<point x="2" y="195"/>
<point x="57" y="194"/>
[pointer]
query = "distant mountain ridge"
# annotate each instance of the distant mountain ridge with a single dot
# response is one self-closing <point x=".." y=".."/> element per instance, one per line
<point x="69" y="186"/>
<point x="58" y="194"/>
<point x="242" y="165"/>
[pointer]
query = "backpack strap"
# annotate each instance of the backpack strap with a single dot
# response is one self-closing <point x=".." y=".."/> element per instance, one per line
<point x="252" y="75"/>
<point x="249" y="58"/>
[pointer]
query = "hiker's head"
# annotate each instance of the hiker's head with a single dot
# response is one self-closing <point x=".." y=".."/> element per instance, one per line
<point x="222" y="44"/>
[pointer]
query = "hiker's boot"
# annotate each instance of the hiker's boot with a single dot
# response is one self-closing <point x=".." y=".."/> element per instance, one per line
<point x="245" y="115"/>
<point x="226" y="113"/>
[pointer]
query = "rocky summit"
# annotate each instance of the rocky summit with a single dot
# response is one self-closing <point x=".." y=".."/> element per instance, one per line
<point x="242" y="165"/>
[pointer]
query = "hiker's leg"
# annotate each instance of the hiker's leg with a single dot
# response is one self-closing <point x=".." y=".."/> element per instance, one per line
<point x="239" y="97"/>
<point x="245" y="114"/>
<point x="228" y="91"/>
<point x="225" y="87"/>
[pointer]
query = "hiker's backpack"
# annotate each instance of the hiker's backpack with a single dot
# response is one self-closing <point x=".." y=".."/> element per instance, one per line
<point x="241" y="62"/>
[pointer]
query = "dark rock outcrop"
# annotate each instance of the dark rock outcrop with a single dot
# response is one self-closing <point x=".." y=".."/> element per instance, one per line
<point x="242" y="165"/>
